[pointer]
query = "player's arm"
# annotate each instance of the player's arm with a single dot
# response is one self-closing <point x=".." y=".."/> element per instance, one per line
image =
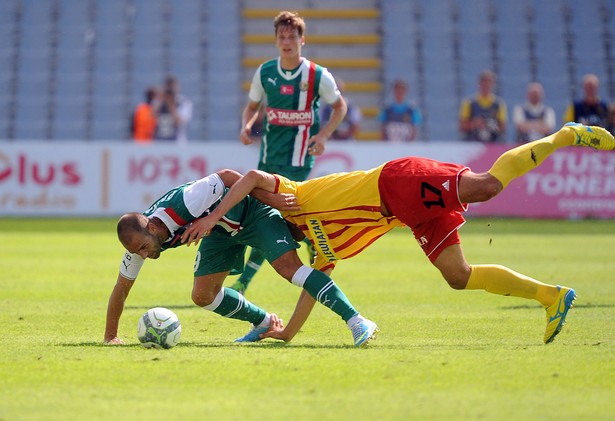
<point x="253" y="179"/>
<point x="338" y="112"/>
<point x="228" y="177"/>
<point x="248" y="118"/>
<point x="115" y="308"/>
<point x="330" y="93"/>
<point x="281" y="201"/>
<point x="304" y="307"/>
<point x="129" y="269"/>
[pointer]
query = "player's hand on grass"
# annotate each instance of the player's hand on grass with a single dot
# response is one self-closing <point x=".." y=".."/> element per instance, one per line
<point x="198" y="229"/>
<point x="276" y="329"/>
<point x="114" y="341"/>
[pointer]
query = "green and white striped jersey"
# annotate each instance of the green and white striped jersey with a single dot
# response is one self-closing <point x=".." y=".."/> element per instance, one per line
<point x="292" y="98"/>
<point x="182" y="205"/>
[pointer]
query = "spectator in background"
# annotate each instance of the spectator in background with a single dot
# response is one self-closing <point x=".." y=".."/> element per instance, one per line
<point x="174" y="114"/>
<point x="401" y="119"/>
<point x="143" y="122"/>
<point x="351" y="124"/>
<point x="483" y="118"/>
<point x="534" y="119"/>
<point x="589" y="110"/>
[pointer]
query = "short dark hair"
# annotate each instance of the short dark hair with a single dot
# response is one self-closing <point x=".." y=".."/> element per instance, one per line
<point x="129" y="225"/>
<point x="289" y="20"/>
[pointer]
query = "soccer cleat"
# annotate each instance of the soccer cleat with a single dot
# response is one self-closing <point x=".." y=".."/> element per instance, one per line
<point x="363" y="331"/>
<point x="254" y="335"/>
<point x="592" y="136"/>
<point x="556" y="312"/>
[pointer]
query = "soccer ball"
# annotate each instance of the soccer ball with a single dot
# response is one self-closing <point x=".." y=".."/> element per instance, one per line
<point x="159" y="328"/>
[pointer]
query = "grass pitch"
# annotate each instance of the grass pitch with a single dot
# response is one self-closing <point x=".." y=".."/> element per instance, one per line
<point x="441" y="354"/>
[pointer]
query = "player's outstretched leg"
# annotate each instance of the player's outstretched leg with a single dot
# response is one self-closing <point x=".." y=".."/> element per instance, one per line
<point x="518" y="161"/>
<point x="557" y="312"/>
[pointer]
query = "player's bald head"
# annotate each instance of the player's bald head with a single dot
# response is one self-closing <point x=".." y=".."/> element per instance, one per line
<point x="131" y="225"/>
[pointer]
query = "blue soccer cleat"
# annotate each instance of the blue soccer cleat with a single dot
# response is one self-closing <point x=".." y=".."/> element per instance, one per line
<point x="254" y="335"/>
<point x="556" y="312"/>
<point x="363" y="331"/>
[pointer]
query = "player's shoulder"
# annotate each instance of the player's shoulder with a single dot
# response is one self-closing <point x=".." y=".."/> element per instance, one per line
<point x="269" y="65"/>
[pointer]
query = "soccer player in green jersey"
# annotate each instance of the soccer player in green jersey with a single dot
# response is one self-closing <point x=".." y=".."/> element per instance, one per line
<point x="291" y="88"/>
<point x="250" y="223"/>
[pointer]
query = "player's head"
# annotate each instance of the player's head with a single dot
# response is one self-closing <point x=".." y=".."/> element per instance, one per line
<point x="289" y="21"/>
<point x="289" y="30"/>
<point x="136" y="232"/>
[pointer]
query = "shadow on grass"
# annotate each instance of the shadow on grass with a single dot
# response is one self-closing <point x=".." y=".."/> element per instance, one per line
<point x="170" y="307"/>
<point x="230" y="345"/>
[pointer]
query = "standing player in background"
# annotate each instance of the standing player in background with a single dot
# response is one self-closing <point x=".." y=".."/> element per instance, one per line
<point x="291" y="86"/>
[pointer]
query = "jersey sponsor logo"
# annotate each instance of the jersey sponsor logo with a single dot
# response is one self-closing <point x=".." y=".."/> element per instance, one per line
<point x="287" y="89"/>
<point x="272" y="81"/>
<point x="320" y="239"/>
<point x="280" y="117"/>
<point x="447" y="185"/>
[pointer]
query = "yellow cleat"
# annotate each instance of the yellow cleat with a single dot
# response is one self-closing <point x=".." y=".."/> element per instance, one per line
<point x="592" y="136"/>
<point x="556" y="312"/>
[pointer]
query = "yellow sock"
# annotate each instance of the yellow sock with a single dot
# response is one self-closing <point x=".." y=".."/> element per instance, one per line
<point x="498" y="279"/>
<point x="518" y="161"/>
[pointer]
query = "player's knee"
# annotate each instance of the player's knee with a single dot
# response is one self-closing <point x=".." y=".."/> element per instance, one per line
<point x="203" y="297"/>
<point x="457" y="279"/>
<point x="489" y="188"/>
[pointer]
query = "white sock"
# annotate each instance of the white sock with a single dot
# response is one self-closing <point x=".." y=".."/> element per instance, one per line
<point x="301" y="275"/>
<point x="266" y="321"/>
<point x="216" y="302"/>
<point x="354" y="319"/>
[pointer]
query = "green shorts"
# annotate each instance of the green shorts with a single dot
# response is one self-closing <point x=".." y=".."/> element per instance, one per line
<point x="262" y="227"/>
<point x="292" y="173"/>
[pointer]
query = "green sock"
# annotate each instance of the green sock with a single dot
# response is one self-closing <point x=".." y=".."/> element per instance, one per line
<point x="325" y="291"/>
<point x="255" y="262"/>
<point x="229" y="303"/>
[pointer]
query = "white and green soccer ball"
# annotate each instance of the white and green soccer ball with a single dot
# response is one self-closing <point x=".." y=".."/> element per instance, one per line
<point x="159" y="327"/>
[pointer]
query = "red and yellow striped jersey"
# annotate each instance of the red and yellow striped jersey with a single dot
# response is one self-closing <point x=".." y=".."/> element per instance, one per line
<point x="340" y="213"/>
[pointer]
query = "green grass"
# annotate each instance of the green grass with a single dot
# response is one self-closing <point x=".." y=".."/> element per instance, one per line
<point x="441" y="354"/>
